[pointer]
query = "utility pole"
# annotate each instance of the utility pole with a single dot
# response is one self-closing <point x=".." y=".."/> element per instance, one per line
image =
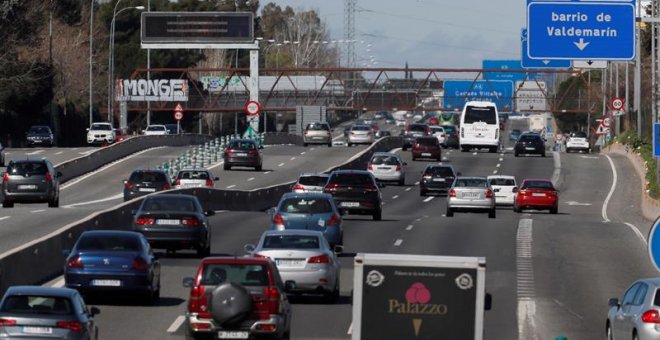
<point x="148" y="71"/>
<point x="637" y="96"/>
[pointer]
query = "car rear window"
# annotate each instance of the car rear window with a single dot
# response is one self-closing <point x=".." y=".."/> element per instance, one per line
<point x="148" y="176"/>
<point x="182" y="204"/>
<point x="242" y="146"/>
<point x="579" y="134"/>
<point x="361" y="128"/>
<point x="318" y="127"/>
<point x="449" y="129"/>
<point x="502" y="181"/>
<point x="384" y="160"/>
<point x="108" y="243"/>
<point x="426" y="141"/>
<point x="313" y="180"/>
<point x="244" y="274"/>
<point x="417" y="128"/>
<point x="291" y="242"/>
<point x="442" y="171"/>
<point x="471" y="183"/>
<point x="306" y="206"/>
<point x="475" y="114"/>
<point x="537" y="185"/>
<point x="27" y="168"/>
<point x="156" y="128"/>
<point x="528" y="138"/>
<point x="351" y="179"/>
<point x="192" y="174"/>
<point x="33" y="304"/>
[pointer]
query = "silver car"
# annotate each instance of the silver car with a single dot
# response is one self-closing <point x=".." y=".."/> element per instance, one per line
<point x="310" y="182"/>
<point x="194" y="178"/>
<point x="637" y="315"/>
<point x="387" y="166"/>
<point x="317" y="133"/>
<point x="471" y="194"/>
<point x="360" y="134"/>
<point x="304" y="257"/>
<point x="34" y="312"/>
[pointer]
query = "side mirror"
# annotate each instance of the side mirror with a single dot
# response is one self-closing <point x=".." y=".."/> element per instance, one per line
<point x="289" y="285"/>
<point x="338" y="249"/>
<point x="59" y="174"/>
<point x="459" y="174"/>
<point x="515" y="189"/>
<point x="216" y="178"/>
<point x="613" y="302"/>
<point x="209" y="213"/>
<point x="249" y="248"/>
<point x="94" y="311"/>
<point x="488" y="302"/>
<point x="188" y="282"/>
<point x="404" y="163"/>
<point x="66" y="252"/>
<point x="381" y="184"/>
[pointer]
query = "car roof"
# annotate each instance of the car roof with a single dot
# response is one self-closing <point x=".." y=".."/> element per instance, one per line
<point x="111" y="233"/>
<point x="40" y="290"/>
<point x="439" y="165"/>
<point x="537" y="179"/>
<point x="501" y="176"/>
<point x="293" y="232"/>
<point x="307" y="174"/>
<point x="243" y="140"/>
<point x="480" y="103"/>
<point x="194" y="169"/>
<point x="39" y="126"/>
<point x="235" y="260"/>
<point x="471" y="177"/>
<point x="357" y="172"/>
<point x="361" y="125"/>
<point x="306" y="195"/>
<point x="386" y="154"/>
<point x="149" y="170"/>
<point x="173" y="196"/>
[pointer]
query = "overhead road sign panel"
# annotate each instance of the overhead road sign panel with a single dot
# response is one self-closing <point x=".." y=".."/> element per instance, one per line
<point x="504" y="65"/>
<point x="528" y="62"/>
<point x="590" y="64"/>
<point x="458" y="92"/>
<point x="656" y="149"/>
<point x="581" y="30"/>
<point x="197" y="28"/>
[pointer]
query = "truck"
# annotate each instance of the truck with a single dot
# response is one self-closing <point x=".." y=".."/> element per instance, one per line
<point x="401" y="296"/>
<point x="537" y="123"/>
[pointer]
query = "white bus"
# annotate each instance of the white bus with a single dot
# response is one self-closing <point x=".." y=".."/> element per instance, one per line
<point x="480" y="126"/>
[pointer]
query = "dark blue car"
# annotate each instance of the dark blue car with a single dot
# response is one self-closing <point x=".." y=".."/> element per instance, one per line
<point x="112" y="261"/>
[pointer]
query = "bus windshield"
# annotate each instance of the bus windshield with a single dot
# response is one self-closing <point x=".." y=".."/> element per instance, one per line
<point x="475" y="114"/>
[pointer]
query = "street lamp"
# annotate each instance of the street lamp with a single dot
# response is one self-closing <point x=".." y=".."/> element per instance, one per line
<point x="111" y="58"/>
<point x="91" y="40"/>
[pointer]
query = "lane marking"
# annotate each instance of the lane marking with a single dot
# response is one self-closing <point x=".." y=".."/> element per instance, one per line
<point x="408" y="189"/>
<point x="59" y="283"/>
<point x="267" y="172"/>
<point x="409" y="227"/>
<point x="444" y="158"/>
<point x="527" y="329"/>
<point x="4" y="218"/>
<point x="395" y="197"/>
<point x="501" y="159"/>
<point x="250" y="179"/>
<point x="312" y="149"/>
<point x="609" y="195"/>
<point x="398" y="242"/>
<point x="498" y="165"/>
<point x="494" y="171"/>
<point x="428" y="199"/>
<point x="281" y="164"/>
<point x="38" y="211"/>
<point x="231" y="186"/>
<point x="293" y="158"/>
<point x="176" y="324"/>
<point x="59" y="153"/>
<point x="568" y="310"/>
<point x="216" y="165"/>
<point x="111" y="198"/>
<point x="350" y="329"/>
<point x="637" y="232"/>
<point x="304" y="152"/>
<point x="34" y="152"/>
<point x="417" y="183"/>
<point x="474" y="153"/>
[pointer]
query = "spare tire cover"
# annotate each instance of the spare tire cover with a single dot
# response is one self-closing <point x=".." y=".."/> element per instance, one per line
<point x="230" y="303"/>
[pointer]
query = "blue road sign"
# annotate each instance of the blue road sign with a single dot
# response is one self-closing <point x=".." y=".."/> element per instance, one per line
<point x="503" y="65"/>
<point x="654" y="244"/>
<point x="528" y="62"/>
<point x="458" y="92"/>
<point x="581" y="30"/>
<point x="656" y="140"/>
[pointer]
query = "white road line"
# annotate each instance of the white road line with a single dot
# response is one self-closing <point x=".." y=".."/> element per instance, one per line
<point x="312" y="149"/>
<point x="398" y="242"/>
<point x="637" y="232"/>
<point x="494" y="171"/>
<point x="428" y="199"/>
<point x="501" y="159"/>
<point x="417" y="183"/>
<point x="59" y="153"/>
<point x="216" y="165"/>
<point x="250" y="179"/>
<point x="4" y="218"/>
<point x="350" y="329"/>
<point x="304" y="152"/>
<point x="281" y="164"/>
<point x="59" y="283"/>
<point x="111" y="198"/>
<point x="395" y="197"/>
<point x="444" y="158"/>
<point x="408" y="189"/>
<point x="409" y="227"/>
<point x="176" y="324"/>
<point x="474" y="153"/>
<point x="267" y="172"/>
<point x="419" y="219"/>
<point x="527" y="329"/>
<point x="34" y="152"/>
<point x="231" y="186"/>
<point x="609" y="195"/>
<point x="498" y="165"/>
<point x="293" y="158"/>
<point x="38" y="211"/>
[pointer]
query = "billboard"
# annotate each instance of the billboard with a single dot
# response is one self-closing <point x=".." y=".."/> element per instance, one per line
<point x="531" y="96"/>
<point x="458" y="92"/>
<point x="163" y="90"/>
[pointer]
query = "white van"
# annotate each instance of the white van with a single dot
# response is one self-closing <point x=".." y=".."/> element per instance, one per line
<point x="480" y="126"/>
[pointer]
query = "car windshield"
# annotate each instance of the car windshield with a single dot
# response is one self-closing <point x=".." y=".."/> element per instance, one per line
<point x="426" y="141"/>
<point x="37" y="304"/>
<point x="313" y="180"/>
<point x="437" y="129"/>
<point x="351" y="179"/>
<point x="106" y="127"/>
<point x="305" y="206"/>
<point x="148" y="176"/>
<point x="39" y="130"/>
<point x="384" y="160"/>
<point x="515" y="132"/>
<point x="449" y="129"/>
<point x="242" y="146"/>
<point x="318" y="127"/>
<point x="108" y="243"/>
<point x="27" y="168"/>
<point x="417" y="128"/>
<point x="291" y="242"/>
<point x="537" y="185"/>
<point x="182" y="204"/>
<point x="471" y="183"/>
<point x="475" y="114"/>
<point x="193" y="174"/>
<point x="156" y="128"/>
<point x="579" y="134"/>
<point x="441" y="171"/>
<point x="214" y="274"/>
<point x="502" y="181"/>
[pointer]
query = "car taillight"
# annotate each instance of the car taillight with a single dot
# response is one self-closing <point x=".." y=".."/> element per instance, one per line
<point x="427" y="176"/>
<point x="398" y="168"/>
<point x="7" y="322"/>
<point x="139" y="264"/>
<point x="5" y="178"/>
<point x="331" y="187"/>
<point x="177" y="182"/>
<point x="144" y="221"/>
<point x="190" y="221"/>
<point x="74" y="262"/>
<point x="489" y="193"/>
<point x="278" y="220"/>
<point x="253" y="152"/>
<point x="128" y="185"/>
<point x="452" y="193"/>
<point x="70" y="325"/>
<point x="523" y="192"/>
<point x="319" y="259"/>
<point x="334" y="219"/>
<point x="260" y="256"/>
<point x="371" y="188"/>
<point x="198" y="302"/>
<point x="167" y="186"/>
<point x="48" y="177"/>
<point x="651" y="316"/>
<point x="209" y="182"/>
<point x="228" y="151"/>
<point x="298" y="188"/>
<point x="270" y="303"/>
<point x="370" y="166"/>
<point x="552" y="193"/>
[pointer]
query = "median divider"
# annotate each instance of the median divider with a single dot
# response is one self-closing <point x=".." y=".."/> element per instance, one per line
<point x="42" y="260"/>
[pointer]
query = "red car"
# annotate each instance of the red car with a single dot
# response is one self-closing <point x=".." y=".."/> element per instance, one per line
<point x="537" y="194"/>
<point x="426" y="147"/>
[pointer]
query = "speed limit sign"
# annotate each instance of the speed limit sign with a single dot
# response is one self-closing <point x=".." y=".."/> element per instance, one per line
<point x="617" y="104"/>
<point x="252" y="108"/>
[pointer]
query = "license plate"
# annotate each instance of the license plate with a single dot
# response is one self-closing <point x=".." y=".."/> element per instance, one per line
<point x="530" y="149"/>
<point x="27" y="187"/>
<point x="317" y="138"/>
<point x="288" y="262"/>
<point x="233" y="335"/>
<point x="426" y="154"/>
<point x="241" y="154"/>
<point x="168" y="222"/>
<point x="471" y="195"/>
<point x="438" y="180"/>
<point x="147" y="189"/>
<point x="538" y="194"/>
<point x="350" y="204"/>
<point x="383" y="168"/>
<point x="37" y="330"/>
<point x="106" y="283"/>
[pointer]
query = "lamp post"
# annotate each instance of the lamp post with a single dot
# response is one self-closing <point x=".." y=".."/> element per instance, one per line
<point x="111" y="58"/>
<point x="91" y="40"/>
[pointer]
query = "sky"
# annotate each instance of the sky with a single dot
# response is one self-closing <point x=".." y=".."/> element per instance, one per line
<point x="426" y="33"/>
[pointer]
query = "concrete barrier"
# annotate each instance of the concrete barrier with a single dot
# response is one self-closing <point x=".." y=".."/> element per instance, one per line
<point x="41" y="260"/>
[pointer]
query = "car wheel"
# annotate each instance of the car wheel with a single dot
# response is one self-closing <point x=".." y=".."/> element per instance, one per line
<point x="414" y="159"/>
<point x="608" y="332"/>
<point x="378" y="215"/>
<point x="422" y="192"/>
<point x="543" y="154"/>
<point x="227" y="166"/>
<point x="190" y="335"/>
<point x="492" y="150"/>
<point x="404" y="148"/>
<point x="257" y="168"/>
<point x="554" y="210"/>
<point x="635" y="336"/>
<point x="330" y="144"/>
<point x="7" y="204"/>
<point x="464" y="149"/>
<point x="305" y="144"/>
<point x="54" y="203"/>
<point x="439" y="158"/>
<point x="449" y="213"/>
<point x="230" y="314"/>
<point x="402" y="181"/>
<point x="492" y="213"/>
<point x="333" y="296"/>
<point x="350" y="144"/>
<point x="515" y="208"/>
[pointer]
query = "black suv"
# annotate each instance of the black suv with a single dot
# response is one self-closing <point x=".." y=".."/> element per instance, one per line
<point x="529" y="143"/>
<point x="31" y="181"/>
<point x="144" y="182"/>
<point x="242" y="152"/>
<point x="437" y="178"/>
<point x="355" y="191"/>
<point x="40" y="135"/>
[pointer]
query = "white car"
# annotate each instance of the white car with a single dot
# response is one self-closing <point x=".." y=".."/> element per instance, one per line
<point x="100" y="133"/>
<point x="154" y="130"/>
<point x="400" y="122"/>
<point x="505" y="188"/>
<point x="577" y="141"/>
<point x="439" y="133"/>
<point x="360" y="134"/>
<point x="387" y="166"/>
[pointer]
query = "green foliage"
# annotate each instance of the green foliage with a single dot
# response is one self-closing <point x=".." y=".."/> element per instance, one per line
<point x="645" y="150"/>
